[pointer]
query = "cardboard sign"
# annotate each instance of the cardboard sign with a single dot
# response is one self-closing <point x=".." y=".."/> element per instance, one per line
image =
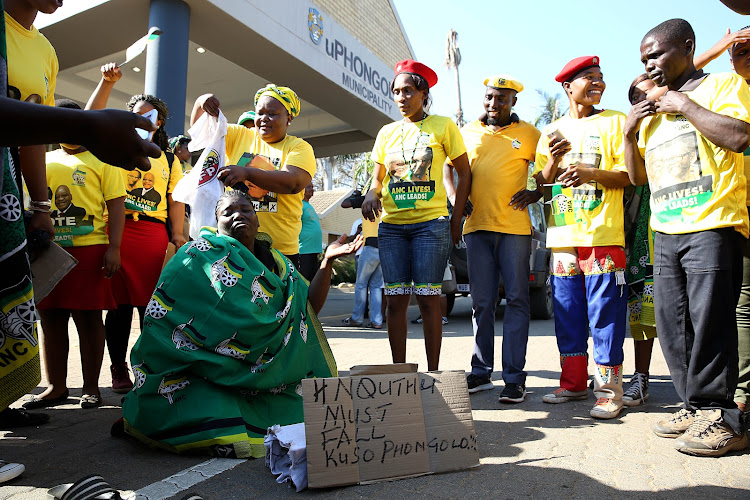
<point x="375" y="426"/>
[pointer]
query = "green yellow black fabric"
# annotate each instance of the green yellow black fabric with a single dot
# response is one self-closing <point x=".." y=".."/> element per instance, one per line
<point x="19" y="347"/>
<point x="225" y="345"/>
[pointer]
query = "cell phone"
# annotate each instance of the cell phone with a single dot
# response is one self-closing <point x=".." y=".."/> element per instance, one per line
<point x="555" y="135"/>
<point x="152" y="116"/>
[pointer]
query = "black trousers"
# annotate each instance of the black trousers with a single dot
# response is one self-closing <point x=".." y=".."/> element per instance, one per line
<point x="697" y="279"/>
<point x="308" y="265"/>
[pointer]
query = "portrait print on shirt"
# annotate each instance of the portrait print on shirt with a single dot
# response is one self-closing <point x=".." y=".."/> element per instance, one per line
<point x="410" y="176"/>
<point x="69" y="220"/>
<point x="263" y="200"/>
<point x="567" y="203"/>
<point x="144" y="198"/>
<point x="676" y="176"/>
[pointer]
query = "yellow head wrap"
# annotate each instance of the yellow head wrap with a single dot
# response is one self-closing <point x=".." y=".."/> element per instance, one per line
<point x="503" y="82"/>
<point x="284" y="95"/>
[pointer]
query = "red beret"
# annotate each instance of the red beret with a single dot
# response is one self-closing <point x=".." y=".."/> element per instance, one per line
<point x="409" y="66"/>
<point x="576" y="66"/>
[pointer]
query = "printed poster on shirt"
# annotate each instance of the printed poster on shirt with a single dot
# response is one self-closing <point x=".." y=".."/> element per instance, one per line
<point x="410" y="179"/>
<point x="142" y="195"/>
<point x="263" y="200"/>
<point x="69" y="219"/>
<point x="565" y="205"/>
<point x="675" y="175"/>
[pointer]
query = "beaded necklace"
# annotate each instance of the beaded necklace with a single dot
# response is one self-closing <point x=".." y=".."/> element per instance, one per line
<point x="416" y="143"/>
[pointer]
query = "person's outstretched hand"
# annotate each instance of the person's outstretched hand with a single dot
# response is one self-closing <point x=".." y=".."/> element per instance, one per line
<point x="338" y="248"/>
<point x="111" y="137"/>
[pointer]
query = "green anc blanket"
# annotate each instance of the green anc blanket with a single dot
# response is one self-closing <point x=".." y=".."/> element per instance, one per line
<point x="224" y="348"/>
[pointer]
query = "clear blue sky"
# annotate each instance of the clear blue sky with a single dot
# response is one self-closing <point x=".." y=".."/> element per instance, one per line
<point x="533" y="40"/>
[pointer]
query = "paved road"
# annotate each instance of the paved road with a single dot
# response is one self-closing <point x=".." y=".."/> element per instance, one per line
<point x="532" y="449"/>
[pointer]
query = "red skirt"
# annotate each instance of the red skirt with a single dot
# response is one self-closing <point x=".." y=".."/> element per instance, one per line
<point x="84" y="288"/>
<point x="144" y="244"/>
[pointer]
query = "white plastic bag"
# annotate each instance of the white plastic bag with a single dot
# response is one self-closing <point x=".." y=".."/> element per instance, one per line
<point x="201" y="188"/>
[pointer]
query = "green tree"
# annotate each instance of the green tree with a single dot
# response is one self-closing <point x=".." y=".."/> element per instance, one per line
<point x="551" y="109"/>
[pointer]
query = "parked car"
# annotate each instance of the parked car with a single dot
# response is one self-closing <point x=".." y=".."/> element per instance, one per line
<point x="540" y="291"/>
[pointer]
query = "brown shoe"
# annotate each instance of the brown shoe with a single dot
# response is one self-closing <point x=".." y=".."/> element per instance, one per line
<point x="710" y="436"/>
<point x="676" y="425"/>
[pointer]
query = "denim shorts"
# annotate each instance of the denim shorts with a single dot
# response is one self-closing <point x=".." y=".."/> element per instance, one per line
<point x="413" y="256"/>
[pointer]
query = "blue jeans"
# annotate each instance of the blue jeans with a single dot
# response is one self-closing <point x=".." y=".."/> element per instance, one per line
<point x="414" y="256"/>
<point x="369" y="275"/>
<point x="697" y="282"/>
<point x="491" y="255"/>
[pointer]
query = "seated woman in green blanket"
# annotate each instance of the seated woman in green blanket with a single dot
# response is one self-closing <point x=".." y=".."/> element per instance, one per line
<point x="229" y="334"/>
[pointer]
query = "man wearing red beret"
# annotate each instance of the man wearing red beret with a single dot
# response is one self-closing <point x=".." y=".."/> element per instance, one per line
<point x="689" y="149"/>
<point x="581" y="156"/>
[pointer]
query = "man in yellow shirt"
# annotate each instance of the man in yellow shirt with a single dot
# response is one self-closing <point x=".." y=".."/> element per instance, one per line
<point x="498" y="235"/>
<point x="582" y="154"/>
<point x="689" y="148"/>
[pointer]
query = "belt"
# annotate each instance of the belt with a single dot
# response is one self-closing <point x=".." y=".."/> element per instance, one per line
<point x="372" y="241"/>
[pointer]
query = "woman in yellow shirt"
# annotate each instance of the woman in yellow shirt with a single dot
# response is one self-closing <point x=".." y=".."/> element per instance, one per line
<point x="148" y="205"/>
<point x="283" y="164"/>
<point x="414" y="237"/>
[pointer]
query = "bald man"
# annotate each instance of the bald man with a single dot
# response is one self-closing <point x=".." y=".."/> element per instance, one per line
<point x="66" y="213"/>
<point x="147" y="192"/>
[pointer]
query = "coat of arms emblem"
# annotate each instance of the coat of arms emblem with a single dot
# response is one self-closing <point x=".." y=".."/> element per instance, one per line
<point x="315" y="24"/>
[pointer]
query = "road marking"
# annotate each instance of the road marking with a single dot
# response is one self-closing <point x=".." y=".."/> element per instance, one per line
<point x="183" y="480"/>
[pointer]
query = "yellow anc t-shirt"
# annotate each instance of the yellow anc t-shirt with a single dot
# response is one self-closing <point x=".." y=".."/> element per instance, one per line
<point x="413" y="155"/>
<point x="79" y="187"/>
<point x="280" y="215"/>
<point x="32" y="62"/>
<point x="499" y="169"/>
<point x="695" y="184"/>
<point x="590" y="215"/>
<point x="147" y="190"/>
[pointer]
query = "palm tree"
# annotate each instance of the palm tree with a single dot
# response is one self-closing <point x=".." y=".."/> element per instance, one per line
<point x="550" y="111"/>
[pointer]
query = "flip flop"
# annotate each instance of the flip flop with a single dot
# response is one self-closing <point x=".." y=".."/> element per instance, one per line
<point x="91" y="487"/>
<point x="34" y="402"/>
<point x="90" y="401"/>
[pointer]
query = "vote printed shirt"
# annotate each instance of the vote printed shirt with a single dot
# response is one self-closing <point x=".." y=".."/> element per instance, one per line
<point x="695" y="184"/>
<point x="590" y="215"/>
<point x="32" y="63"/>
<point x="147" y="190"/>
<point x="413" y="155"/>
<point x="499" y="169"/>
<point x="280" y="215"/>
<point x="79" y="187"/>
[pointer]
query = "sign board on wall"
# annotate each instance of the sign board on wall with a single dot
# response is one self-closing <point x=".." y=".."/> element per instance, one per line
<point x="362" y="73"/>
<point x="387" y="422"/>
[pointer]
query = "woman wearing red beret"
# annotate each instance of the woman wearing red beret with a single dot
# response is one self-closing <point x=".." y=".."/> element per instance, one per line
<point x="415" y="235"/>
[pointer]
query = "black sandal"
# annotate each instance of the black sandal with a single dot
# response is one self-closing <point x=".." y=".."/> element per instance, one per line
<point x="15" y="417"/>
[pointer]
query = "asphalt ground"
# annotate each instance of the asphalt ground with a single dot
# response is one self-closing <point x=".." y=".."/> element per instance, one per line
<point x="531" y="449"/>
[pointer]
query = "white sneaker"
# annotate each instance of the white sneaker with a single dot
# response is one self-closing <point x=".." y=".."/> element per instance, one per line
<point x="637" y="393"/>
<point x="10" y="471"/>
<point x="563" y="396"/>
<point x="606" y="408"/>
